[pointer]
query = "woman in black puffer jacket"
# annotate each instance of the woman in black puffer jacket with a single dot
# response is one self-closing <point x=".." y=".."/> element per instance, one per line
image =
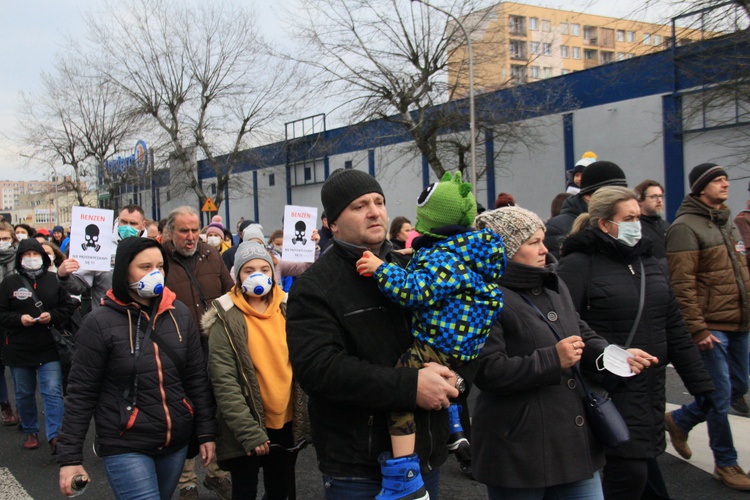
<point x="601" y="266"/>
<point x="140" y="371"/>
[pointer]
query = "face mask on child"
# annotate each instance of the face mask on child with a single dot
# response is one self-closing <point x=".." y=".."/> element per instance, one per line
<point x="257" y="285"/>
<point x="150" y="285"/>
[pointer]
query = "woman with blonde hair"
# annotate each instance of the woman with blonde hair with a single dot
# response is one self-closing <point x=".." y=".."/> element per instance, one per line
<point x="621" y="292"/>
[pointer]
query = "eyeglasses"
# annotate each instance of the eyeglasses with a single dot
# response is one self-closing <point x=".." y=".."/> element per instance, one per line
<point x="655" y="197"/>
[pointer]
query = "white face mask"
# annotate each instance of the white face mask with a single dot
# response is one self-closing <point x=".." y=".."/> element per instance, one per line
<point x="214" y="241"/>
<point x="21" y="236"/>
<point x="614" y="359"/>
<point x="629" y="233"/>
<point x="4" y="245"/>
<point x="31" y="263"/>
<point x="257" y="285"/>
<point x="150" y="285"/>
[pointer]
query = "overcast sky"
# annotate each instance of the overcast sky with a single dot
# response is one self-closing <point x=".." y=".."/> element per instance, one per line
<point x="32" y="33"/>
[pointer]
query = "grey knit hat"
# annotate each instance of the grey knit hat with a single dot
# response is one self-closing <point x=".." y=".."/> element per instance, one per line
<point x="253" y="232"/>
<point x="249" y="250"/>
<point x="515" y="225"/>
<point x="701" y="175"/>
<point x="344" y="186"/>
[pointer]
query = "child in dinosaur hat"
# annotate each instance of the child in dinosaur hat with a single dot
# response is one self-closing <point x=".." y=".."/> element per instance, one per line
<point x="449" y="286"/>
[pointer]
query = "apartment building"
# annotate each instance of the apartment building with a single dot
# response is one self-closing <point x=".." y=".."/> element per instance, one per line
<point x="11" y="191"/>
<point x="517" y="43"/>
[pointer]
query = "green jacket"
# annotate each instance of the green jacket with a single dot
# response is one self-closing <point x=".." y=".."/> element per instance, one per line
<point x="240" y="414"/>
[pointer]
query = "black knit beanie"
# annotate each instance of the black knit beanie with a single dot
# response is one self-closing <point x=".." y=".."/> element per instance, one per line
<point x="343" y="186"/>
<point x="702" y="174"/>
<point x="600" y="174"/>
<point x="127" y="249"/>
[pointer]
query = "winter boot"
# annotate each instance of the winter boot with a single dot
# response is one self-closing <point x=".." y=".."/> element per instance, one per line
<point x="8" y="415"/>
<point x="457" y="442"/>
<point x="402" y="479"/>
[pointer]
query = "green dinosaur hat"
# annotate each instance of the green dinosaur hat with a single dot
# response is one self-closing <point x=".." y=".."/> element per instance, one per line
<point x="445" y="203"/>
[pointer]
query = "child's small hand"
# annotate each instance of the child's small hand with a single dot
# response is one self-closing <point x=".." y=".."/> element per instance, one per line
<point x="368" y="264"/>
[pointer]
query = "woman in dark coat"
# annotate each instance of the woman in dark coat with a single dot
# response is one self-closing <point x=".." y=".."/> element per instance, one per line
<point x="530" y="436"/>
<point x="29" y="349"/>
<point x="139" y="371"/>
<point x="601" y="267"/>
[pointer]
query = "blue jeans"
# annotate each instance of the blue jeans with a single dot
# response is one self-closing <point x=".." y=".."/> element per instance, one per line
<point x="50" y="387"/>
<point x="587" y="489"/>
<point x="727" y="363"/>
<point x="351" y="488"/>
<point x="137" y="476"/>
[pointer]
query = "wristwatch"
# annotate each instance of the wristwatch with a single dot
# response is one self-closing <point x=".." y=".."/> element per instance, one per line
<point x="460" y="384"/>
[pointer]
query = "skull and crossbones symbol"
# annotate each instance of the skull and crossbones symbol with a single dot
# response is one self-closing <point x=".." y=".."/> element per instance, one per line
<point x="299" y="233"/>
<point x="92" y="238"/>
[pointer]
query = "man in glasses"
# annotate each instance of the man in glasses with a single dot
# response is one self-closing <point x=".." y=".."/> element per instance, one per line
<point x="651" y="199"/>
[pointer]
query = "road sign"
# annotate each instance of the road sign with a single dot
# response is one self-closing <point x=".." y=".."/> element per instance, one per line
<point x="209" y="206"/>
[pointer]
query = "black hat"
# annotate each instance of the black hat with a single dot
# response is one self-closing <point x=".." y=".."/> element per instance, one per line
<point x="127" y="249"/>
<point x="244" y="224"/>
<point x="600" y="174"/>
<point x="702" y="174"/>
<point x="344" y="186"/>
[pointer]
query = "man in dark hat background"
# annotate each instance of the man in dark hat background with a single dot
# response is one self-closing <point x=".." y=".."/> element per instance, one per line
<point x="711" y="282"/>
<point x="344" y="340"/>
<point x="742" y="221"/>
<point x="594" y="176"/>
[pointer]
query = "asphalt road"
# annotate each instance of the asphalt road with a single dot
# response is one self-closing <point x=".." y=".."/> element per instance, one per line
<point x="33" y="474"/>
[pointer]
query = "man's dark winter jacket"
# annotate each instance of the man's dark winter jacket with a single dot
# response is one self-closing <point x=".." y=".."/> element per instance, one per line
<point x="604" y="277"/>
<point x="559" y="226"/>
<point x="654" y="228"/>
<point x="32" y="345"/>
<point x="168" y="404"/>
<point x="344" y="340"/>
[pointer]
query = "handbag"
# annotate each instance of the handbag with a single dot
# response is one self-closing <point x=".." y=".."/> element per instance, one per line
<point x="63" y="339"/>
<point x="603" y="416"/>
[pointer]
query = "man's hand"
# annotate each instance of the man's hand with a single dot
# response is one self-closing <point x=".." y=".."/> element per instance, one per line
<point x="67" y="267"/>
<point x="67" y="473"/>
<point x="433" y="388"/>
<point x="707" y="344"/>
<point x="207" y="451"/>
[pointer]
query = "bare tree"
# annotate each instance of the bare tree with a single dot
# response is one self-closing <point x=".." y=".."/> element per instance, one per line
<point x="201" y="75"/>
<point x="77" y="120"/>
<point x="389" y="59"/>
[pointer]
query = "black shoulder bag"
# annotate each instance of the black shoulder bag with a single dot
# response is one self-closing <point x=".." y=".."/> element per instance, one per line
<point x="605" y="420"/>
<point x="63" y="339"/>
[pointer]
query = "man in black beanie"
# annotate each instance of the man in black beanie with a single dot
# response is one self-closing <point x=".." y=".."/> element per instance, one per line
<point x="344" y="340"/>
<point x="711" y="282"/>
<point x="595" y="176"/>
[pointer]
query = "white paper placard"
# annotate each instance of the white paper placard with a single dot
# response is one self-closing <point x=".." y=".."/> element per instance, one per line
<point x="299" y="223"/>
<point x="91" y="238"/>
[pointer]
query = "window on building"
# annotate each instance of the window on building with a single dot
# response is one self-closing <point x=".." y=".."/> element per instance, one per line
<point x="606" y="57"/>
<point x="564" y="71"/>
<point x="564" y="51"/>
<point x="589" y="54"/>
<point x="576" y="52"/>
<point x="547" y="49"/>
<point x="575" y="29"/>
<point x="546" y="25"/>
<point x="631" y="36"/>
<point x="630" y="56"/>
<point x="657" y="40"/>
<point x="533" y="47"/>
<point x="518" y="73"/>
<point x="621" y="56"/>
<point x="620" y="35"/>
<point x="271" y="179"/>
<point x="517" y="25"/>
<point x="348" y="164"/>
<point x="517" y="49"/>
<point x="589" y="32"/>
<point x="564" y="28"/>
<point x="533" y="23"/>
<point x="547" y="72"/>
<point x="647" y="39"/>
<point x="535" y="72"/>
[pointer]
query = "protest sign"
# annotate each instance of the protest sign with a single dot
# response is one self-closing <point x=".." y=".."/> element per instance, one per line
<point x="91" y="238"/>
<point x="299" y="223"/>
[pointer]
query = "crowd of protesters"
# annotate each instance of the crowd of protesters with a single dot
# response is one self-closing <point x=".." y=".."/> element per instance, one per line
<point x="203" y="343"/>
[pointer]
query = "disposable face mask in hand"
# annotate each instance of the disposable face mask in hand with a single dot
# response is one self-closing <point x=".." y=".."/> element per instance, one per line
<point x="614" y="359"/>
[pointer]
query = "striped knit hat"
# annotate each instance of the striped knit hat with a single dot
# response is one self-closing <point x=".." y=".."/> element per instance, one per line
<point x="702" y="174"/>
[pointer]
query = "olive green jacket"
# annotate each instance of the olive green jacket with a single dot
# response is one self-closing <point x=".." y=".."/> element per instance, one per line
<point x="240" y="414"/>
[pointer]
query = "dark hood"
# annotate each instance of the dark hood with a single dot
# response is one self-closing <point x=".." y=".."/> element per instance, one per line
<point x="692" y="205"/>
<point x="31" y="244"/>
<point x="574" y="206"/>
<point x="127" y="249"/>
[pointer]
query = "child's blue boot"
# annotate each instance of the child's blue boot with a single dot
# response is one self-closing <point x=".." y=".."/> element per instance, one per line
<point x="402" y="479"/>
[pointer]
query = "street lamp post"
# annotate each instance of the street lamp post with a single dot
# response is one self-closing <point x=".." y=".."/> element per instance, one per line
<point x="472" y="123"/>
